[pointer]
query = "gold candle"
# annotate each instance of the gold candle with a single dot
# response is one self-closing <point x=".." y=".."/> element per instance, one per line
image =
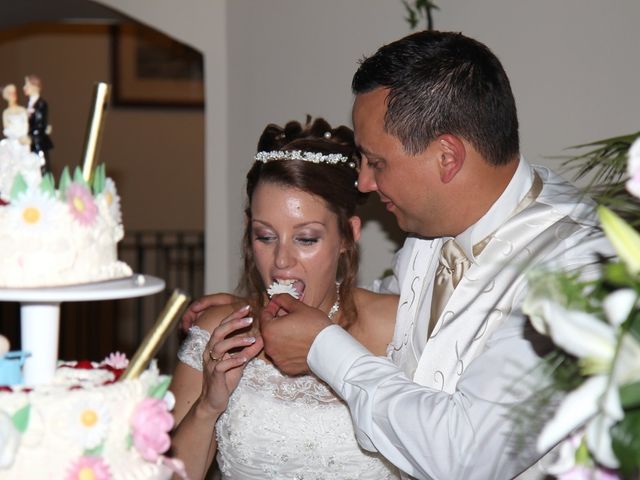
<point x="157" y="335"/>
<point x="94" y="130"/>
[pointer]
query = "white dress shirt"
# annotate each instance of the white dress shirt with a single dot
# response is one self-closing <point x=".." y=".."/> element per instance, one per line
<point x="451" y="408"/>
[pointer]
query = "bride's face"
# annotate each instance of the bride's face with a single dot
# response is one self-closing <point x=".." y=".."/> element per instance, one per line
<point x="295" y="237"/>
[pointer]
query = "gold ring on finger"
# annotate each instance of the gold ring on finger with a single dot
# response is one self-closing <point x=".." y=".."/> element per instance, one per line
<point x="212" y="357"/>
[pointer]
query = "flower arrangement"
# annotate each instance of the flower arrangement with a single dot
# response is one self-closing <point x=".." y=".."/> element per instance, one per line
<point x="596" y="326"/>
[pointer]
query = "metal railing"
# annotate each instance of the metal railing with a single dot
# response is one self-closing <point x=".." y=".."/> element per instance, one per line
<point x="91" y="330"/>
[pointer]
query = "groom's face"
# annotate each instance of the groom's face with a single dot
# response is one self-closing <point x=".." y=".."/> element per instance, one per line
<point x="409" y="186"/>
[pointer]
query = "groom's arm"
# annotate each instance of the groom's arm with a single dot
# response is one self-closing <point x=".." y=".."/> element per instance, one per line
<point x="429" y="433"/>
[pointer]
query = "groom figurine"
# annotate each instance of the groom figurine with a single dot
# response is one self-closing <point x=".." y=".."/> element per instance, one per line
<point x="38" y="112"/>
<point x="458" y="395"/>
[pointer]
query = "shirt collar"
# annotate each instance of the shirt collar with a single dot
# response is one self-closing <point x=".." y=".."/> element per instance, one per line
<point x="501" y="209"/>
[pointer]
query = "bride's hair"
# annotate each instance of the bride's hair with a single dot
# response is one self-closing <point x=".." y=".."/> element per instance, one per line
<point x="333" y="182"/>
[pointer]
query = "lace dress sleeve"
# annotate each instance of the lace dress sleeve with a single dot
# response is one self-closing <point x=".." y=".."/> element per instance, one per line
<point x="191" y="350"/>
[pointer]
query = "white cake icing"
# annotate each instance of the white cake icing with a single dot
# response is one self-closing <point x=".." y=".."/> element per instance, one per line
<point x="89" y="425"/>
<point x="63" y="237"/>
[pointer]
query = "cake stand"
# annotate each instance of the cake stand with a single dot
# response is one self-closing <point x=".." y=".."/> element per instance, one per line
<point x="40" y="316"/>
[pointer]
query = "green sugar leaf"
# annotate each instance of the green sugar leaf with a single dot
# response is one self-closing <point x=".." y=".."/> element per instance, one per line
<point x="65" y="180"/>
<point x="158" y="390"/>
<point x="95" y="452"/>
<point x="78" y="178"/>
<point x="21" y="418"/>
<point x="48" y="184"/>
<point x="99" y="177"/>
<point x="19" y="186"/>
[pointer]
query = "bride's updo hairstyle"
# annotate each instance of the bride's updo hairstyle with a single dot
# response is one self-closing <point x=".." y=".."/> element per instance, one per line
<point x="334" y="182"/>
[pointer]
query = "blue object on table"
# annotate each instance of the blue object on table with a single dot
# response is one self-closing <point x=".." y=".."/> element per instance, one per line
<point x="11" y="367"/>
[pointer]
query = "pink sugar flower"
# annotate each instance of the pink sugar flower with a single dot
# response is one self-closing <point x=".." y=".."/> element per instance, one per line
<point x="117" y="360"/>
<point x="151" y="422"/>
<point x="89" y="467"/>
<point x="81" y="204"/>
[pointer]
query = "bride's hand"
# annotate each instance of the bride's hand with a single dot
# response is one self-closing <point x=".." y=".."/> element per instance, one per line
<point x="222" y="369"/>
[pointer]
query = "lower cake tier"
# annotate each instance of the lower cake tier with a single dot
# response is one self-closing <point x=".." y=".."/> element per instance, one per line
<point x="86" y="425"/>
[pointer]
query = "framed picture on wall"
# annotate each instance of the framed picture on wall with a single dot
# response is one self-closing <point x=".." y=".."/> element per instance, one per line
<point x="152" y="69"/>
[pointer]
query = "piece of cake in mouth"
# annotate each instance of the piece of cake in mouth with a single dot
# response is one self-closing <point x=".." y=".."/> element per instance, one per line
<point x="61" y="235"/>
<point x="295" y="288"/>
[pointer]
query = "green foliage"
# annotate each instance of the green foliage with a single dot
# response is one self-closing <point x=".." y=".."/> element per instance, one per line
<point x="96" y="452"/>
<point x="605" y="164"/>
<point x="626" y="443"/>
<point x="419" y="10"/>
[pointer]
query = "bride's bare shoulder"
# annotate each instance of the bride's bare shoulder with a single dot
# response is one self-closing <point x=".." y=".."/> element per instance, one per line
<point x="210" y="318"/>
<point x="375" y="306"/>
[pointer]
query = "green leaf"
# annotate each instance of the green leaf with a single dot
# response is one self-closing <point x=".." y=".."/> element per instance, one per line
<point x="96" y="452"/>
<point x="65" y="180"/>
<point x="21" y="418"/>
<point x="19" y="186"/>
<point x="626" y="443"/>
<point x="48" y="184"/>
<point x="630" y="395"/>
<point x="617" y="274"/>
<point x="78" y="178"/>
<point x="158" y="390"/>
<point x="129" y="441"/>
<point x="99" y="177"/>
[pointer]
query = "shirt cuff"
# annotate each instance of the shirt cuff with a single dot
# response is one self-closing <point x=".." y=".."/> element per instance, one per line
<point x="332" y="354"/>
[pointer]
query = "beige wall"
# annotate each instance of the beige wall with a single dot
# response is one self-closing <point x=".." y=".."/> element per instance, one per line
<point x="156" y="156"/>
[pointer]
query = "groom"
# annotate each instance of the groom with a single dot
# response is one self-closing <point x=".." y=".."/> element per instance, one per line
<point x="436" y="123"/>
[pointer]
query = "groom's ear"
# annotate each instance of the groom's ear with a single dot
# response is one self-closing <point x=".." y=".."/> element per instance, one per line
<point x="451" y="156"/>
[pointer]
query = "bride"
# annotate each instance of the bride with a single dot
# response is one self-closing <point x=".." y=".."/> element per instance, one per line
<point x="15" y="153"/>
<point x="300" y="236"/>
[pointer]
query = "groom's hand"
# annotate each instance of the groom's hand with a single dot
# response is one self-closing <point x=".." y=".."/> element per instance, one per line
<point x="197" y="308"/>
<point x="288" y="328"/>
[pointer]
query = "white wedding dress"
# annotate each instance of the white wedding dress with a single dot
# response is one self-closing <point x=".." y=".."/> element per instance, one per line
<point x="16" y="157"/>
<point x="280" y="427"/>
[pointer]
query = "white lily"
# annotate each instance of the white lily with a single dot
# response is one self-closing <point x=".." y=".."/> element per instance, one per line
<point x="596" y="402"/>
<point x="633" y="169"/>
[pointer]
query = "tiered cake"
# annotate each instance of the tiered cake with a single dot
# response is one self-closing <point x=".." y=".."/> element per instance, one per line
<point x="86" y="425"/>
<point x="61" y="236"/>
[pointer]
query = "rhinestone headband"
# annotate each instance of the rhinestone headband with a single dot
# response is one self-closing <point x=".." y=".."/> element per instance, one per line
<point x="314" y="157"/>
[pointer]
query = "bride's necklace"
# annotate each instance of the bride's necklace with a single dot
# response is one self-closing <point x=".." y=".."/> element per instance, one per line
<point x="336" y="305"/>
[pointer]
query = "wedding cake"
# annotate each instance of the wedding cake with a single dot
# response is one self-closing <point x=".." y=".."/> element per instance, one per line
<point x="88" y="425"/>
<point x="61" y="236"/>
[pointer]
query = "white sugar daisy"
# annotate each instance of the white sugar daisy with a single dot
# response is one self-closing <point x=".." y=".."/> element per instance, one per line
<point x="88" y="423"/>
<point x="111" y="198"/>
<point x="35" y="211"/>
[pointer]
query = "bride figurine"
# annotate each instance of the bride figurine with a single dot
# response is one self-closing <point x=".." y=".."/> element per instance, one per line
<point x="15" y="152"/>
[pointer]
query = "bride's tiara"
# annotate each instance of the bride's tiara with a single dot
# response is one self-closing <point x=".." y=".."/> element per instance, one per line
<point x="314" y="157"/>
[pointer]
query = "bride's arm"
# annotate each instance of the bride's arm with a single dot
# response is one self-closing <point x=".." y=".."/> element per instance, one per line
<point x="202" y="395"/>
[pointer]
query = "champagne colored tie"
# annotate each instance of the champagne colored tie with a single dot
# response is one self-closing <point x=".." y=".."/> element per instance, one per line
<point x="453" y="264"/>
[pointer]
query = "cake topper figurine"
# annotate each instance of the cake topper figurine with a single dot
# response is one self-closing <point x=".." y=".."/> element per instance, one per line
<point x="94" y="129"/>
<point x="38" y="112"/>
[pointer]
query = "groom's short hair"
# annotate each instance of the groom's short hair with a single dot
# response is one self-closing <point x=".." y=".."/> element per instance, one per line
<point x="444" y="82"/>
